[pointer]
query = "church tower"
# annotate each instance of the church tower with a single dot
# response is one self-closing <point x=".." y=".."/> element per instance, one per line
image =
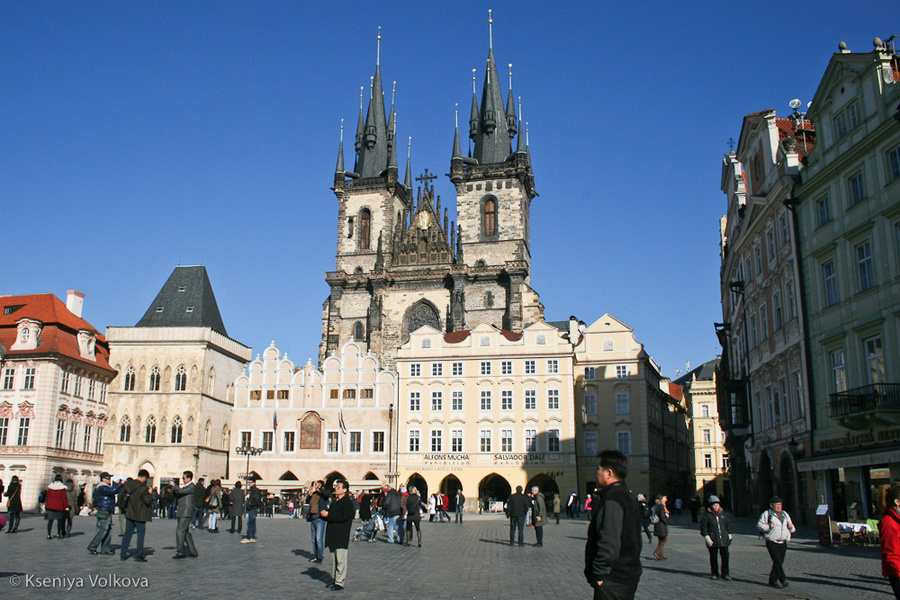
<point x="401" y="263"/>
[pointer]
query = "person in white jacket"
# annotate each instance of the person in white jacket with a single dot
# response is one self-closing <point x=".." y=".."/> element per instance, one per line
<point x="776" y="526"/>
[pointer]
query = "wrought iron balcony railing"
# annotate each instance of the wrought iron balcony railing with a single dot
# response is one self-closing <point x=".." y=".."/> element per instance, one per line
<point x="866" y="399"/>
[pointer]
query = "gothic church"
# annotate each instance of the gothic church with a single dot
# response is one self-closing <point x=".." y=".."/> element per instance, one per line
<point x="401" y="263"/>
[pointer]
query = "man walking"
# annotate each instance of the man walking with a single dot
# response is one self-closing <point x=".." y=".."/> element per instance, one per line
<point x="339" y="516"/>
<point x="317" y="500"/>
<point x="184" y="510"/>
<point x="254" y="503"/>
<point x="460" y="503"/>
<point x="516" y="509"/>
<point x="777" y="527"/>
<point x="137" y="514"/>
<point x="199" y="504"/>
<point x="105" y="503"/>
<point x="538" y="514"/>
<point x="612" y="555"/>
<point x="716" y="531"/>
<point x="392" y="508"/>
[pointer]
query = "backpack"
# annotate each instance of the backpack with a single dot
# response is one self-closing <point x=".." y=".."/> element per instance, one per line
<point x="654" y="517"/>
<point x="122" y="499"/>
<point x="392" y="502"/>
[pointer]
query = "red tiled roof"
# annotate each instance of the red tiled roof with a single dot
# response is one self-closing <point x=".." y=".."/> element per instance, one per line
<point x="58" y="334"/>
<point x="455" y="337"/>
<point x="511" y="335"/>
<point x="675" y="391"/>
<point x="801" y="130"/>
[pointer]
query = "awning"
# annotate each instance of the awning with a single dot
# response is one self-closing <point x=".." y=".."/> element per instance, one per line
<point x="860" y="458"/>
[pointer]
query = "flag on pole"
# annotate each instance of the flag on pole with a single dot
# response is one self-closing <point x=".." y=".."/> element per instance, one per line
<point x="341" y="421"/>
<point x="274" y="420"/>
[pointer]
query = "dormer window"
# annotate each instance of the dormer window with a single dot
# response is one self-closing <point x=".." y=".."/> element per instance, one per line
<point x="25" y="334"/>
<point x="87" y="343"/>
<point x="28" y="334"/>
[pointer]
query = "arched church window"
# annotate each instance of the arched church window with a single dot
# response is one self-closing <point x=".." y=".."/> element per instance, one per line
<point x="181" y="379"/>
<point x="129" y="379"/>
<point x="154" y="379"/>
<point x="150" y="436"/>
<point x="177" y="429"/>
<point x="365" y="228"/>
<point x="125" y="430"/>
<point x="489" y="300"/>
<point x="358" y="331"/>
<point x="489" y="217"/>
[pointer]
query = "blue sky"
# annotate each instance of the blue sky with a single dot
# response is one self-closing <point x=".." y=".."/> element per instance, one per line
<point x="140" y="136"/>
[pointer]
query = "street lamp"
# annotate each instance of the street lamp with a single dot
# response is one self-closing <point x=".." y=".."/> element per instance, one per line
<point x="248" y="451"/>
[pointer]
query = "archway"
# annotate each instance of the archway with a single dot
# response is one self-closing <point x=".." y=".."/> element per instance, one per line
<point x="786" y="487"/>
<point x="419" y="314"/>
<point x="493" y="488"/>
<point x="370" y="476"/>
<point x="545" y="483"/>
<point x="419" y="482"/>
<point x="448" y="487"/>
<point x="331" y="478"/>
<point x="288" y="476"/>
<point x="150" y="469"/>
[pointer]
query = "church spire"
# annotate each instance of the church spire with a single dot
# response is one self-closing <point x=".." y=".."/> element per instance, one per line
<point x="407" y="182"/>
<point x="473" y="116"/>
<point x="510" y="108"/>
<point x="373" y="157"/>
<point x="492" y="140"/>
<point x="339" y="170"/>
<point x="520" y="143"/>
<point x="457" y="152"/>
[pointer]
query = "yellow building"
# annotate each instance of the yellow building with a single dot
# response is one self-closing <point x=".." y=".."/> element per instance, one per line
<point x="486" y="410"/>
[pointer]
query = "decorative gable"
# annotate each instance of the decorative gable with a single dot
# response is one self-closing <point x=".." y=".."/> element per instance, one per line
<point x="87" y="341"/>
<point x="28" y="334"/>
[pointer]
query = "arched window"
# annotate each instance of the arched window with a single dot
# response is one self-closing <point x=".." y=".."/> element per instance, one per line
<point x="206" y="433"/>
<point x="125" y="430"/>
<point x="176" y="430"/>
<point x="359" y="332"/>
<point x="129" y="379"/>
<point x="365" y="229"/>
<point x="181" y="379"/>
<point x="211" y="382"/>
<point x="154" y="379"/>
<point x="150" y="436"/>
<point x="489" y="217"/>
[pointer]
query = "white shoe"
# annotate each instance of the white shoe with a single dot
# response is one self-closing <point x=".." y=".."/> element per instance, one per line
<point x="248" y="541"/>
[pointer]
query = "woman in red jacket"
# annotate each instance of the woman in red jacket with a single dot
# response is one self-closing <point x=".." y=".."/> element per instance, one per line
<point x="889" y="530"/>
<point x="57" y="507"/>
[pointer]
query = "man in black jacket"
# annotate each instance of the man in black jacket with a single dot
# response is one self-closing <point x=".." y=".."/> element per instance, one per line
<point x="184" y="509"/>
<point x="337" y="535"/>
<point x="254" y="503"/>
<point x="137" y="514"/>
<point x="516" y="509"/>
<point x="612" y="555"/>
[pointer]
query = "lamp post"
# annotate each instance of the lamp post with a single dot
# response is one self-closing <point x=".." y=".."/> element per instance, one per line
<point x="390" y="473"/>
<point x="248" y="451"/>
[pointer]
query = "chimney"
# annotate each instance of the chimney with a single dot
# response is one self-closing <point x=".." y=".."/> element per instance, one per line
<point x="75" y="302"/>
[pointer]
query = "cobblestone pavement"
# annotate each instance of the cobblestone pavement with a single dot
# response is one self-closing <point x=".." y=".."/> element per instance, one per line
<point x="471" y="560"/>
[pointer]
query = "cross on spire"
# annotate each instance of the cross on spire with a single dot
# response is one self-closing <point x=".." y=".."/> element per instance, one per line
<point x="426" y="177"/>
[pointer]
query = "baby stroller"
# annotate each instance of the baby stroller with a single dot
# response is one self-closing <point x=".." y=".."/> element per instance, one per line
<point x="368" y="530"/>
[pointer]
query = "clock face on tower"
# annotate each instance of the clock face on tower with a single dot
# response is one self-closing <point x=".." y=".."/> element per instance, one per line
<point x="423" y="220"/>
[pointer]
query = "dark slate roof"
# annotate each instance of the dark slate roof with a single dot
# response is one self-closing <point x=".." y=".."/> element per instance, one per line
<point x="492" y="143"/>
<point x="186" y="300"/>
<point x="704" y="373"/>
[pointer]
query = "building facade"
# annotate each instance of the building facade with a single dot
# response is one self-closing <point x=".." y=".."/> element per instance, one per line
<point x="486" y="410"/>
<point x="53" y="395"/>
<point x="401" y="263"/>
<point x="312" y="424"/>
<point x="171" y="402"/>
<point x="849" y="219"/>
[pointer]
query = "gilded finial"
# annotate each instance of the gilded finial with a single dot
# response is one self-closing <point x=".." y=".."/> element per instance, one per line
<point x="473" y="81"/>
<point x="491" y="29"/>
<point x="361" y="96"/>
<point x="510" y="75"/>
<point x="456" y="114"/>
<point x="520" y="108"/>
<point x="342" y="131"/>
<point x="378" y="55"/>
<point x="408" y="147"/>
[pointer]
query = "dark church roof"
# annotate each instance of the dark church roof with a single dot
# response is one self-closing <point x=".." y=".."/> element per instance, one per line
<point x="704" y="372"/>
<point x="186" y="300"/>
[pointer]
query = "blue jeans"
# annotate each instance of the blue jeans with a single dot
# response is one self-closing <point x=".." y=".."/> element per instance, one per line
<point x="392" y="527"/>
<point x="102" y="539"/>
<point x="317" y="530"/>
<point x="251" y="523"/>
<point x="131" y="527"/>
<point x="459" y="514"/>
<point x="199" y="514"/>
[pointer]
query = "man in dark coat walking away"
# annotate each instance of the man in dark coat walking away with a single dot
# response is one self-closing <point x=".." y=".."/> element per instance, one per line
<point x="612" y="555"/>
<point x="337" y="535"/>
<point x="516" y="509"/>
<point x="184" y="511"/>
<point x="137" y="514"/>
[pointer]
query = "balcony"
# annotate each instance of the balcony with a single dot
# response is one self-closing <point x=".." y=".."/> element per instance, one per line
<point x="866" y="406"/>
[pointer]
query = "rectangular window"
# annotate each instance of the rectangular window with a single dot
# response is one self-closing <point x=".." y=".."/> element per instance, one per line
<point x="590" y="443"/>
<point x="623" y="442"/>
<point x="91" y="389"/>
<point x="531" y="440"/>
<point x="783" y="401"/>
<point x="857" y="189"/>
<point x="894" y="163"/>
<point x="268" y="441"/>
<point x="73" y="435"/>
<point x="485" y="400"/>
<point x="776" y="311"/>
<point x="456" y="400"/>
<point x="289" y="441"/>
<point x="590" y="404"/>
<point x="754" y="337"/>
<point x="791" y="302"/>
<point x="623" y="405"/>
<point x="823" y="211"/>
<point x="98" y="441"/>
<point x="829" y="280"/>
<point x="29" y="381"/>
<point x="270" y="394"/>
<point x="24" y="424"/>
<point x="9" y="378"/>
<point x="415" y="401"/>
<point x="332" y="441"/>
<point x="64" y="385"/>
<point x="770" y="407"/>
<point x="246" y="438"/>
<point x="457" y="369"/>
<point x="707" y="461"/>
<point x="770" y="245"/>
<point x="4" y="432"/>
<point x="350" y="394"/>
<point x="484" y="440"/>
<point x="456" y="440"/>
<point x="621" y="371"/>
<point x="257" y="394"/>
<point x="783" y="228"/>
<point x="437" y="369"/>
<point x="874" y="360"/>
<point x="356" y="442"/>
<point x="553" y="399"/>
<point x="368" y="393"/>
<point x="704" y="410"/>
<point x="590" y="373"/>
<point x="506" y="440"/>
<point x="333" y="394"/>
<point x="840" y="126"/>
<point x="707" y="436"/>
<point x="485" y="368"/>
<point x="530" y="399"/>
<point x="757" y="257"/>
<point x="437" y="401"/>
<point x="414" y="440"/>
<point x="60" y="432"/>
<point x="797" y="384"/>
<point x="726" y="462"/>
<point x="530" y="367"/>
<point x="506" y="400"/>
<point x="378" y="442"/>
<point x="283" y="394"/>
<point x="437" y="444"/>
<point x="87" y="438"/>
<point x="506" y="367"/>
<point x="864" y="269"/>
<point x="415" y="370"/>
<point x="552" y="367"/>
<point x="853" y="115"/>
<point x="553" y="442"/>
<point x="763" y="323"/>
